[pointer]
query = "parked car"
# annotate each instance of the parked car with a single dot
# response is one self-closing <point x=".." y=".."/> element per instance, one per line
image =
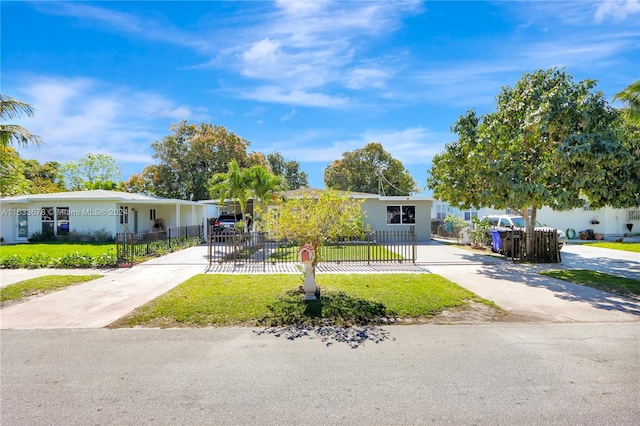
<point x="504" y="222"/>
<point x="226" y="222"/>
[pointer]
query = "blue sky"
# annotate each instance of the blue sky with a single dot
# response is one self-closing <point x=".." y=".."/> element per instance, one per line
<point x="310" y="80"/>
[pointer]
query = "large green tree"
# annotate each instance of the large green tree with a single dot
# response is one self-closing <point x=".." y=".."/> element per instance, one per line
<point x="370" y="169"/>
<point x="140" y="183"/>
<point x="189" y="156"/>
<point x="12" y="134"/>
<point x="289" y="170"/>
<point x="551" y="141"/>
<point x="92" y="171"/>
<point x="44" y="178"/>
<point x="12" y="179"/>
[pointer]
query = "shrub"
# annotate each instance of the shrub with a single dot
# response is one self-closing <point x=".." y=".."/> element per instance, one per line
<point x="10" y="262"/>
<point x="75" y="260"/>
<point x="40" y="237"/>
<point x="35" y="261"/>
<point x="105" y="260"/>
<point x="100" y="235"/>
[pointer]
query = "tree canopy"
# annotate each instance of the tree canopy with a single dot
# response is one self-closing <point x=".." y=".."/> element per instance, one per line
<point x="551" y="141"/>
<point x="11" y="134"/>
<point x="92" y="171"/>
<point x="631" y="98"/>
<point x="289" y="170"/>
<point x="370" y="169"/>
<point x="191" y="155"/>
<point x="12" y="179"/>
<point x="44" y="178"/>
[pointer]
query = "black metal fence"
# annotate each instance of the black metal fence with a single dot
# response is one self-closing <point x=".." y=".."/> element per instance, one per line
<point x="131" y="247"/>
<point x="375" y="246"/>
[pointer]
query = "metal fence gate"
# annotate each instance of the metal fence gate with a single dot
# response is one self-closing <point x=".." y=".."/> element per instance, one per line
<point x="374" y="247"/>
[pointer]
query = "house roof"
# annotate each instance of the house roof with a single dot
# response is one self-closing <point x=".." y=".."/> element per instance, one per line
<point x="94" y="195"/>
<point x="310" y="191"/>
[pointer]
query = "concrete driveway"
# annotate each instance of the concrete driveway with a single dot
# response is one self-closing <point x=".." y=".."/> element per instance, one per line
<point x="517" y="288"/>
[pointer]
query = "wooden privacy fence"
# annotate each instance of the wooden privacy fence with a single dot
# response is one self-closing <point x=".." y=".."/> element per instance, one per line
<point x="544" y="243"/>
<point x="375" y="246"/>
<point x="132" y="246"/>
<point x="441" y="229"/>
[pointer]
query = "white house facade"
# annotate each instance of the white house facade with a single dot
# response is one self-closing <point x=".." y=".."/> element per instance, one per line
<point x="608" y="221"/>
<point x="90" y="211"/>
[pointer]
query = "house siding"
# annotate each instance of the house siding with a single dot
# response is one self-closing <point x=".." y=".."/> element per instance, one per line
<point x="612" y="221"/>
<point x="90" y="215"/>
<point x="376" y="215"/>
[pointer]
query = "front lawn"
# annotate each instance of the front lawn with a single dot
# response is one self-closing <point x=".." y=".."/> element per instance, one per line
<point x="634" y="247"/>
<point x="40" y="286"/>
<point x="598" y="280"/>
<point x="346" y="252"/>
<point x="273" y="300"/>
<point x="58" y="255"/>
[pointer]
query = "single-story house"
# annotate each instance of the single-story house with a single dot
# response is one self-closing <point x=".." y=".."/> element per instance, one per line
<point x="91" y="211"/>
<point x="607" y="220"/>
<point x="389" y="213"/>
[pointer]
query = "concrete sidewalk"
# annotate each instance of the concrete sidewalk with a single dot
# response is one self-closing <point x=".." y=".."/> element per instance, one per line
<point x="99" y="302"/>
<point x="517" y="288"/>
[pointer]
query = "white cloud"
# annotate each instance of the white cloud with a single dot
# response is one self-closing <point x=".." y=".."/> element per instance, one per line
<point x="282" y="95"/>
<point x="619" y="10"/>
<point x="414" y="145"/>
<point x="360" y="78"/>
<point x="288" y="116"/>
<point x="74" y="117"/>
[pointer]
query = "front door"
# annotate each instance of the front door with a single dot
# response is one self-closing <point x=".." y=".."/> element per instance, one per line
<point x="22" y="226"/>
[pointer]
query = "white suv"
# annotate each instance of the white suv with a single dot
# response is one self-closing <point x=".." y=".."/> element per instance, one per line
<point x="513" y="221"/>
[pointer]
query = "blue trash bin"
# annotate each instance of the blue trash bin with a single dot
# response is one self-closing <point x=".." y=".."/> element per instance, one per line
<point x="496" y="241"/>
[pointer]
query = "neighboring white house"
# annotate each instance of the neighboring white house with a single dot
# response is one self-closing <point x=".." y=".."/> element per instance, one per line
<point x="90" y="211"/>
<point x="611" y="222"/>
<point x="390" y="213"/>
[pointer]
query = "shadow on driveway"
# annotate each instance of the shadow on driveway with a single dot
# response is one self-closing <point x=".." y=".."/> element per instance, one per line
<point x="529" y="275"/>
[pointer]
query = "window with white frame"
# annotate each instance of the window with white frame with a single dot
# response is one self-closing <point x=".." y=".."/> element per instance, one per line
<point x="442" y="211"/>
<point x="633" y="215"/>
<point x="124" y="214"/>
<point x="400" y="214"/>
<point x="469" y="214"/>
<point x="152" y="214"/>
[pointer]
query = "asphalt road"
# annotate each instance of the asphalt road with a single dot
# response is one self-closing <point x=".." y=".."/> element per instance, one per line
<point x="494" y="374"/>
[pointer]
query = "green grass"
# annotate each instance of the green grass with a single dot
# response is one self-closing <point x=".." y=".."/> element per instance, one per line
<point x="634" y="247"/>
<point x="41" y="285"/>
<point x="54" y="249"/>
<point x="270" y="300"/>
<point x="601" y="281"/>
<point x="352" y="252"/>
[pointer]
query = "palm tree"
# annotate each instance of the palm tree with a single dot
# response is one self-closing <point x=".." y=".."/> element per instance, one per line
<point x="232" y="185"/>
<point x="631" y="97"/>
<point x="11" y="133"/>
<point x="262" y="185"/>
